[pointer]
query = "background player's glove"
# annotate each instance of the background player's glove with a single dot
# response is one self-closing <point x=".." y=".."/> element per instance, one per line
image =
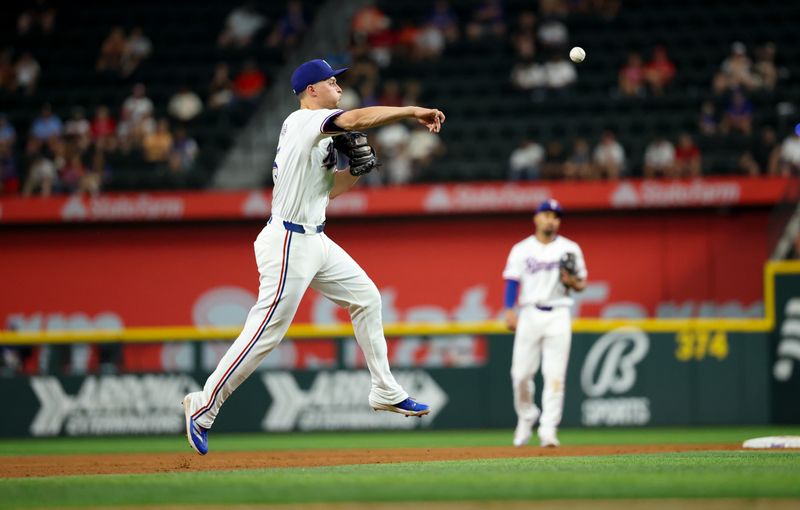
<point x="353" y="144"/>
<point x="568" y="264"/>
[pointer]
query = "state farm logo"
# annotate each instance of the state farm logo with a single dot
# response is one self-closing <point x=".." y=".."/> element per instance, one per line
<point x="610" y="368"/>
<point x="485" y="198"/>
<point x="122" y="208"/>
<point x="338" y="400"/>
<point x="660" y="194"/>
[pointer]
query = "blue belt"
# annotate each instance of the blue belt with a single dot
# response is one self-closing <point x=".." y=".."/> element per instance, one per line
<point x="300" y="229"/>
<point x="544" y="308"/>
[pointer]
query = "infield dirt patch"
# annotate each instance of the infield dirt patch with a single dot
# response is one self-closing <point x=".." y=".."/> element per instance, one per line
<point x="65" y="465"/>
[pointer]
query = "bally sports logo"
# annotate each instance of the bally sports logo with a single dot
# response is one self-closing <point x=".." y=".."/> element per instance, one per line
<point x="610" y="368"/>
<point x="338" y="400"/>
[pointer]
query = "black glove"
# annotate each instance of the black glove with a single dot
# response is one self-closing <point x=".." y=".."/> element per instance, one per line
<point x="353" y="144"/>
<point x="568" y="264"/>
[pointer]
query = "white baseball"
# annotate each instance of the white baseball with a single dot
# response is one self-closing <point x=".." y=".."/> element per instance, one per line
<point x="577" y="54"/>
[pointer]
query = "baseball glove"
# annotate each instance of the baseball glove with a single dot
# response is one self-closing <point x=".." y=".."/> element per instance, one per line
<point x="568" y="264"/>
<point x="353" y="144"/>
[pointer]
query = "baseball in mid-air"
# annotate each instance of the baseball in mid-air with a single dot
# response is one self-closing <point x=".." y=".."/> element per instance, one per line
<point x="577" y="54"/>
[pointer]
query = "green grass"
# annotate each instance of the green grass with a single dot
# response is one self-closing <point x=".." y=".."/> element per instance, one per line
<point x="729" y="474"/>
<point x="405" y="439"/>
<point x="689" y="475"/>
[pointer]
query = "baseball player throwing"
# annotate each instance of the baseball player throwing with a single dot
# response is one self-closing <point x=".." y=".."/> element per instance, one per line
<point x="542" y="270"/>
<point x="293" y="253"/>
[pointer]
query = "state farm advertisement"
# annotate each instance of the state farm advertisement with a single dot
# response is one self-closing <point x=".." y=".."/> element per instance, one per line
<point x="668" y="264"/>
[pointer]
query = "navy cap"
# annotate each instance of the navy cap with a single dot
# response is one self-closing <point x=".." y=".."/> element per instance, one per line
<point x="550" y="205"/>
<point x="311" y="72"/>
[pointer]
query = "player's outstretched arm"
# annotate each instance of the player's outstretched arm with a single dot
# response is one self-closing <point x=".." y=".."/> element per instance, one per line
<point x="375" y="116"/>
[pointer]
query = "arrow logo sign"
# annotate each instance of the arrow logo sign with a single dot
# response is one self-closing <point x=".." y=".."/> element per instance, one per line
<point x="337" y="400"/>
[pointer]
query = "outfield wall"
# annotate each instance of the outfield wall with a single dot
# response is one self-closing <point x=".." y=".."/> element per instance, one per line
<point x="621" y="373"/>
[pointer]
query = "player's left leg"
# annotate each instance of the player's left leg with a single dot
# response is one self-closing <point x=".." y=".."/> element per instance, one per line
<point x="344" y="282"/>
<point x="555" y="355"/>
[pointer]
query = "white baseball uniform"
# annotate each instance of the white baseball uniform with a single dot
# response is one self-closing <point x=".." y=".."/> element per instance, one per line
<point x="293" y="253"/>
<point x="543" y="334"/>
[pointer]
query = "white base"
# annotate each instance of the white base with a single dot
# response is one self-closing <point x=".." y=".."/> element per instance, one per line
<point x="773" y="442"/>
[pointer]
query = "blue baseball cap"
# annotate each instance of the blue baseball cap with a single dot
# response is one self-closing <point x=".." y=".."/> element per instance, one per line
<point x="311" y="72"/>
<point x="550" y="205"/>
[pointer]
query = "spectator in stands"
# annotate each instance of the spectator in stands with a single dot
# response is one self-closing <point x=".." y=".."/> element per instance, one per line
<point x="46" y="132"/>
<point x="26" y="72"/>
<point x="71" y="174"/>
<point x="391" y="96"/>
<point x="428" y="43"/>
<point x="183" y="152"/>
<point x="553" y="35"/>
<point x="104" y="129"/>
<point x="765" y="71"/>
<point x="367" y="95"/>
<point x="7" y="78"/>
<point x="790" y="154"/>
<point x="609" y="156"/>
<point x="250" y="83"/>
<point x="525" y="162"/>
<point x="42" y="176"/>
<point x="555" y="8"/>
<point x="736" y="71"/>
<point x="424" y="147"/>
<point x="136" y="118"/>
<point x="158" y="144"/>
<point x="241" y="26"/>
<point x="392" y="141"/>
<point x="137" y="48"/>
<point x="185" y="105"/>
<point x="561" y="73"/>
<point x="707" y="122"/>
<point x="738" y="115"/>
<point x="488" y="19"/>
<point x="659" y="158"/>
<point x="660" y="71"/>
<point x="524" y="38"/>
<point x="40" y="15"/>
<point x="220" y="90"/>
<point x="579" y="163"/>
<point x="554" y="161"/>
<point x="445" y="20"/>
<point x="367" y="22"/>
<point x="688" y="161"/>
<point x="528" y="74"/>
<point x="8" y="135"/>
<point x="9" y="175"/>
<point x="111" y="51"/>
<point x="290" y="28"/>
<point x="412" y="91"/>
<point x="362" y="67"/>
<point x="763" y="155"/>
<point x="78" y="130"/>
<point x="632" y="76"/>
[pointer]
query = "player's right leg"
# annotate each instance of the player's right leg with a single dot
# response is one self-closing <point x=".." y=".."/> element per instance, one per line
<point x="284" y="259"/>
<point x="555" y="356"/>
<point x="525" y="359"/>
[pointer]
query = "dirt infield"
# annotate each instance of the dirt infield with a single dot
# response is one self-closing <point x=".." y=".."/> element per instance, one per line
<point x="64" y="465"/>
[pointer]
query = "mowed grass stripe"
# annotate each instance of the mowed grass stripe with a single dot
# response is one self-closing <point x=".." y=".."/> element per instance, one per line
<point x="400" y="439"/>
<point x="684" y="475"/>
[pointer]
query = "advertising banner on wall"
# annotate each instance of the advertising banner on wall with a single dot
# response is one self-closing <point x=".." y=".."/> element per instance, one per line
<point x="786" y="345"/>
<point x="625" y="377"/>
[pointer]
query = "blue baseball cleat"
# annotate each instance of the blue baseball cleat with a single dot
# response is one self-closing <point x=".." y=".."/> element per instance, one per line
<point x="195" y="434"/>
<point x="408" y="407"/>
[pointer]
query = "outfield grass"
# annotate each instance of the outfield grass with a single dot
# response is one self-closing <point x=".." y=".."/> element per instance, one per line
<point x="729" y="474"/>
<point x="695" y="475"/>
<point x="400" y="439"/>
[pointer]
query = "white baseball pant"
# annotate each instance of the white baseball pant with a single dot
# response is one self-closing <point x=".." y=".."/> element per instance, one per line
<point x="541" y="338"/>
<point x="289" y="262"/>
